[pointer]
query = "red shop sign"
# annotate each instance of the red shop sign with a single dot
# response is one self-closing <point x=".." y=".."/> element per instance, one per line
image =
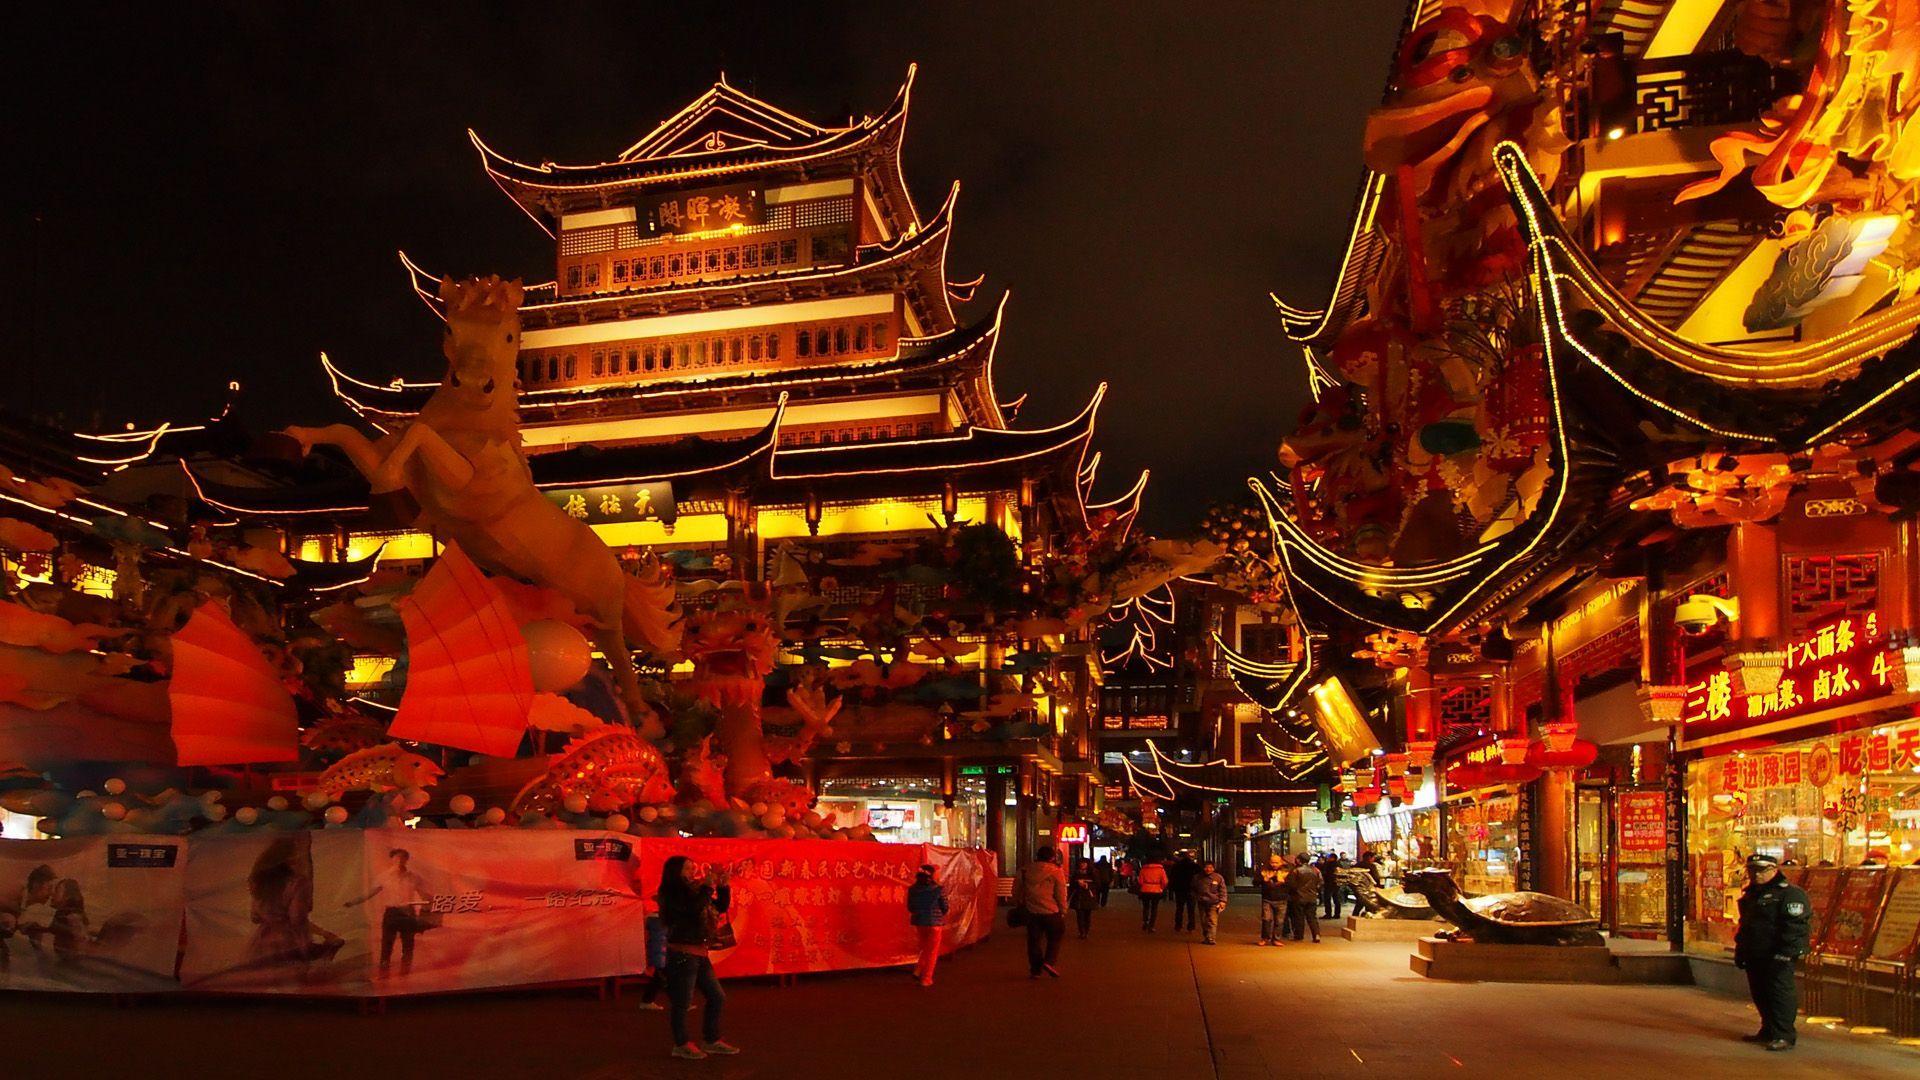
<point x="1836" y="663"/>
<point x="1643" y="822"/>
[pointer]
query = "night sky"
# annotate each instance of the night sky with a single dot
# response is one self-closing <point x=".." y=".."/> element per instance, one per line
<point x="205" y="193"/>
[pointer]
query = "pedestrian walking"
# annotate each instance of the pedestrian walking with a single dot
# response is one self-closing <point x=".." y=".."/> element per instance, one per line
<point x="1774" y="931"/>
<point x="1043" y="893"/>
<point x="1371" y="864"/>
<point x="1210" y="897"/>
<point x="1330" y="886"/>
<point x="927" y="911"/>
<point x="1180" y="877"/>
<point x="1304" y="883"/>
<point x="1103" y="879"/>
<point x="693" y="910"/>
<point x="1083" y="896"/>
<point x="1152" y="885"/>
<point x="1276" y="900"/>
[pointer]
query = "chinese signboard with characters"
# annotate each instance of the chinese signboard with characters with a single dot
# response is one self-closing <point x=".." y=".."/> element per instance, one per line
<point x="1643" y="826"/>
<point x="814" y="905"/>
<point x="604" y="505"/>
<point x="1838" y="663"/>
<point x="711" y="210"/>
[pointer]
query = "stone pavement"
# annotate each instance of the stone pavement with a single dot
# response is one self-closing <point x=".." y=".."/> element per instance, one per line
<point x="1130" y="1005"/>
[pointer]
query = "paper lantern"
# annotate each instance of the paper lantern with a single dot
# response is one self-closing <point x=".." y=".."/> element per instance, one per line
<point x="1513" y="749"/>
<point x="1578" y="754"/>
<point x="1560" y="735"/>
<point x="1472" y="774"/>
<point x="1396" y="764"/>
<point x="1420" y="751"/>
<point x="227" y="703"/>
<point x="468" y="680"/>
<point x="557" y="655"/>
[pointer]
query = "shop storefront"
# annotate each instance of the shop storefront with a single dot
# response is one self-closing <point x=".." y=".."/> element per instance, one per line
<point x="1839" y="801"/>
<point x="1484" y="842"/>
<point x="909" y="810"/>
<point x="1407" y="837"/>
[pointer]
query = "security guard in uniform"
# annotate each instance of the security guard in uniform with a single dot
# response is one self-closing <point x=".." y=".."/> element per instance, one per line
<point x="1775" y="925"/>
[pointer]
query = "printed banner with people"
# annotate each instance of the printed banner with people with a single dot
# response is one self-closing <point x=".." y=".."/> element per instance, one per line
<point x="399" y="911"/>
<point x="91" y="914"/>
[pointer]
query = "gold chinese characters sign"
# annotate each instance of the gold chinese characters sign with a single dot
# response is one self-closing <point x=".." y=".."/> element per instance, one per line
<point x="628" y="502"/>
<point x="712" y="210"/>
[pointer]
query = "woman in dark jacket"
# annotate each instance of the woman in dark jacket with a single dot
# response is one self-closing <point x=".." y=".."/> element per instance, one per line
<point x="690" y="908"/>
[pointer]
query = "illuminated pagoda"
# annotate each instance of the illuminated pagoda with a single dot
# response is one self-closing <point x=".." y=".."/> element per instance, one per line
<point x="750" y="364"/>
<point x="1609" y="472"/>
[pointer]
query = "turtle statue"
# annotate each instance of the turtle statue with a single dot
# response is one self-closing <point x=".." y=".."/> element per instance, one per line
<point x="1384" y="902"/>
<point x="1515" y="918"/>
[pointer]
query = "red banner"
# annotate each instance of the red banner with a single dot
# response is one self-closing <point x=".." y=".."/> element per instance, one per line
<point x="810" y="905"/>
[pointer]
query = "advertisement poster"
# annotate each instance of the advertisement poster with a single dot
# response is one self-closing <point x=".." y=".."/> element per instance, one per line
<point x="1643" y="826"/>
<point x="805" y="905"/>
<point x="90" y="914"/>
<point x="1900" y="926"/>
<point x="268" y="912"/>
<point x="1851" y="919"/>
<point x="448" y="910"/>
<point x="1822" y="885"/>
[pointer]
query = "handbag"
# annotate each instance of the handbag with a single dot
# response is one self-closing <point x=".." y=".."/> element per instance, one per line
<point x="720" y="930"/>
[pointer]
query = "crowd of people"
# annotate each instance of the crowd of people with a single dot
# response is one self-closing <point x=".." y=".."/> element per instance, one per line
<point x="689" y="918"/>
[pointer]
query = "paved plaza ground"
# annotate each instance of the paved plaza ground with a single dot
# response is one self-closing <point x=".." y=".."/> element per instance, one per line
<point x="1129" y="1005"/>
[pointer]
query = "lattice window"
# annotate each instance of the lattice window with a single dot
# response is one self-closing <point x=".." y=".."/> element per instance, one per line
<point x="1820" y="587"/>
<point x="808" y="215"/>
<point x="1468" y="706"/>
<point x="588" y="241"/>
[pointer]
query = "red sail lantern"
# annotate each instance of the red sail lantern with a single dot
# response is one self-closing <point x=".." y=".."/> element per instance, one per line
<point x="228" y="705"/>
<point x="468" y="680"/>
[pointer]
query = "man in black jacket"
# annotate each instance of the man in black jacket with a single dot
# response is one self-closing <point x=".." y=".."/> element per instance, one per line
<point x="1180" y="877"/>
<point x="1775" y="926"/>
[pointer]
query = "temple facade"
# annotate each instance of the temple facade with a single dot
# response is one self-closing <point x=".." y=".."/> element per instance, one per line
<point x="750" y="363"/>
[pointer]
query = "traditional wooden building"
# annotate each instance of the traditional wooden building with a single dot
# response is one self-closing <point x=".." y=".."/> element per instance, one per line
<point x="750" y="358"/>
<point x="1609" y="476"/>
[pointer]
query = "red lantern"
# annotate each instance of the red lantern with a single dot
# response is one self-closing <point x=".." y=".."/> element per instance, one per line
<point x="1472" y="774"/>
<point x="1578" y="755"/>
<point x="1396" y="764"/>
<point x="1397" y="787"/>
